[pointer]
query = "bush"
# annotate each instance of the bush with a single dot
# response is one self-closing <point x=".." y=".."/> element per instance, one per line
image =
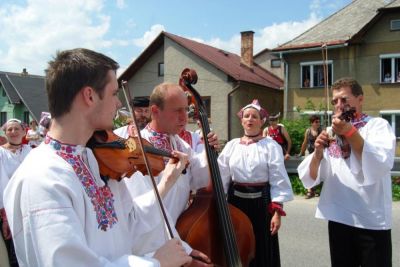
<point x="396" y="188"/>
<point x="296" y="129"/>
<point x="297" y="186"/>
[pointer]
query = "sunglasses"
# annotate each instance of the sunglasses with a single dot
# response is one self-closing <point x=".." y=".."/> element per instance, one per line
<point x="343" y="100"/>
<point x="316" y="121"/>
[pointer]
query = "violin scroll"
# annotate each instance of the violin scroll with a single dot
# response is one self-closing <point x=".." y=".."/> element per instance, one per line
<point x="348" y="113"/>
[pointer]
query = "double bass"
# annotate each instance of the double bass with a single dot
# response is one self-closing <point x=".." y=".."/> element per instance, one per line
<point x="210" y="223"/>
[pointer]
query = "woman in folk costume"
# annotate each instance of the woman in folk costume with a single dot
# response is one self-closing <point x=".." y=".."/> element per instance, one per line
<point x="253" y="172"/>
<point x="278" y="132"/>
<point x="12" y="154"/>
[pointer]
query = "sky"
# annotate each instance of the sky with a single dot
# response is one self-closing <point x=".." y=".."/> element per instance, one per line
<point x="32" y="31"/>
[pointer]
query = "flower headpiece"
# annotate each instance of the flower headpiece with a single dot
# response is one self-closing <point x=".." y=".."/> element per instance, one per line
<point x="256" y="105"/>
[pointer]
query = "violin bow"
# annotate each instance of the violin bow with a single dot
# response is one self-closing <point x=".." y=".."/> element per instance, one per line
<point x="324" y="49"/>
<point x="128" y="98"/>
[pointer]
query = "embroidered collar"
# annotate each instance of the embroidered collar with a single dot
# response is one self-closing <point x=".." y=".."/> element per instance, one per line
<point x="161" y="140"/>
<point x="361" y="121"/>
<point x="100" y="196"/>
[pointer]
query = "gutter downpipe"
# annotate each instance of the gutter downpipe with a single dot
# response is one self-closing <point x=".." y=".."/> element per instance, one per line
<point x="285" y="86"/>
<point x="230" y="109"/>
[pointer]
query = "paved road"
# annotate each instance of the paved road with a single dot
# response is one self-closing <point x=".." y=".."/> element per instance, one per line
<point x="304" y="239"/>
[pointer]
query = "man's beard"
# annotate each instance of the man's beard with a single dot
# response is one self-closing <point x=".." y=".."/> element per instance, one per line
<point x="142" y="122"/>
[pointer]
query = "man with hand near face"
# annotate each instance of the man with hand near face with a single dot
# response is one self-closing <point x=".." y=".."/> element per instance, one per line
<point x="356" y="198"/>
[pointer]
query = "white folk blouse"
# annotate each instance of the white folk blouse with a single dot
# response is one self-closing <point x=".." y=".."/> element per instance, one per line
<point x="62" y="214"/>
<point x="256" y="163"/>
<point x="357" y="192"/>
<point x="197" y="174"/>
<point x="9" y="162"/>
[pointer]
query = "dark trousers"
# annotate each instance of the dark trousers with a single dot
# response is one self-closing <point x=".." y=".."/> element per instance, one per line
<point x="267" y="246"/>
<point x="354" y="247"/>
<point x="10" y="249"/>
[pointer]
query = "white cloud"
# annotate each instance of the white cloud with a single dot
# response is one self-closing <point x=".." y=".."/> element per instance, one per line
<point x="322" y="8"/>
<point x="31" y="34"/>
<point x="277" y="34"/>
<point x="149" y="36"/>
<point x="121" y="4"/>
<point x="268" y="37"/>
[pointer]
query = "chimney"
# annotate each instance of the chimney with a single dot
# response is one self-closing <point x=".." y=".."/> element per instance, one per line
<point x="24" y="72"/>
<point x="247" y="48"/>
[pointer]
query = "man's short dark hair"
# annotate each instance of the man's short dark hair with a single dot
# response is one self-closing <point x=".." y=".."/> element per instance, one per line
<point x="70" y="71"/>
<point x="355" y="87"/>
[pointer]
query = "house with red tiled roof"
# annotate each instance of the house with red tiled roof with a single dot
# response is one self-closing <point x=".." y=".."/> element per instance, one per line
<point x="362" y="40"/>
<point x="226" y="81"/>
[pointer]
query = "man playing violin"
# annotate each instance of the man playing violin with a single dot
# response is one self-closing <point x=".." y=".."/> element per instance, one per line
<point x="356" y="196"/>
<point x="169" y="107"/>
<point x="60" y="211"/>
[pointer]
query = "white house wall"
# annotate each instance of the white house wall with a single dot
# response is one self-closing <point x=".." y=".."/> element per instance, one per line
<point x="146" y="78"/>
<point x="211" y="82"/>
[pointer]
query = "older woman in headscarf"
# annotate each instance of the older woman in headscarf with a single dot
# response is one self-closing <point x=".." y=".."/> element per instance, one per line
<point x="12" y="154"/>
<point x="253" y="172"/>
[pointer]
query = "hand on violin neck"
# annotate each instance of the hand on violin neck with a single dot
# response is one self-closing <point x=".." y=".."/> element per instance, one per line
<point x="340" y="127"/>
<point x="213" y="140"/>
<point x="172" y="171"/>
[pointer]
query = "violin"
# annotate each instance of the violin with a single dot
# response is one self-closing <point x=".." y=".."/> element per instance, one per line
<point x="348" y="113"/>
<point x="119" y="157"/>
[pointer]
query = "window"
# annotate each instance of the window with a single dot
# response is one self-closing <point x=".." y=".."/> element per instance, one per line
<point x="395" y="25"/>
<point x="393" y="117"/>
<point x="390" y="71"/>
<point x="312" y="74"/>
<point x="207" y="104"/>
<point x="161" y="69"/>
<point x="275" y="63"/>
<point x="26" y="117"/>
<point x="3" y="118"/>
